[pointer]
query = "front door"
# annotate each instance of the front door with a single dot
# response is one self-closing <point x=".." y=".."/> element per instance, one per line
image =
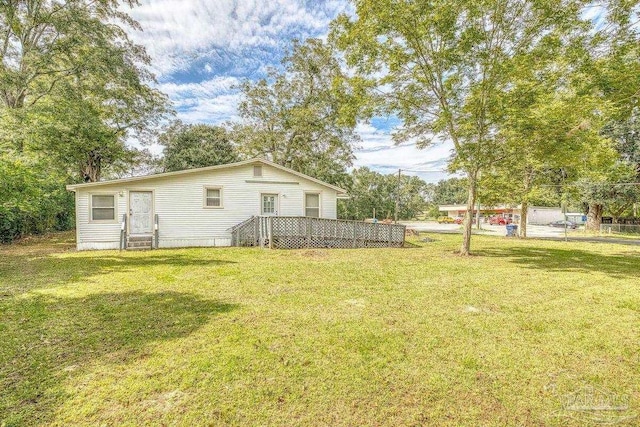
<point x="140" y="212"/>
<point x="269" y="204"/>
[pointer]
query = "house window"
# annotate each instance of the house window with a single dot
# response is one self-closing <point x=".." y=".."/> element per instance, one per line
<point x="213" y="197"/>
<point x="312" y="205"/>
<point x="257" y="171"/>
<point x="103" y="207"/>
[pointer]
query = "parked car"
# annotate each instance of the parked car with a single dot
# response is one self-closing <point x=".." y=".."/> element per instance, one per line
<point x="562" y="222"/>
<point x="445" y="220"/>
<point x="499" y="220"/>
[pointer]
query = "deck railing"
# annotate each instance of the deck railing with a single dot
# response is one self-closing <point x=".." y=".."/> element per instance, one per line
<point x="156" y="232"/>
<point x="288" y="232"/>
<point x="123" y="233"/>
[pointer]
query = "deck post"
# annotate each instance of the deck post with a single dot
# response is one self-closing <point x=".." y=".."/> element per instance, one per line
<point x="390" y="234"/>
<point x="355" y="233"/>
<point x="270" y="231"/>
<point x="123" y="232"/>
<point x="156" y="231"/>
<point x="308" y="223"/>
<point x="256" y="230"/>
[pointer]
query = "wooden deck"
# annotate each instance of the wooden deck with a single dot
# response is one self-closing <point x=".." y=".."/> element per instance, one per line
<point x="286" y="232"/>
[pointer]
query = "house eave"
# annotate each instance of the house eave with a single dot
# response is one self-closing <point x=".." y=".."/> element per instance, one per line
<point x="74" y="187"/>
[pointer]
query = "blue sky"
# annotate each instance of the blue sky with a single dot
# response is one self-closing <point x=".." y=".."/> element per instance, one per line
<point x="202" y="49"/>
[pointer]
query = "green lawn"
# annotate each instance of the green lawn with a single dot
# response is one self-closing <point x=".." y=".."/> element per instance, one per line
<point x="415" y="336"/>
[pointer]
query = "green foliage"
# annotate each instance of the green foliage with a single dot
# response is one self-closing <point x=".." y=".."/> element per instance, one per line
<point x="81" y="84"/>
<point x="443" y="67"/>
<point x="614" y="190"/>
<point x="371" y="190"/>
<point x="33" y="199"/>
<point x="73" y="89"/>
<point x="195" y="146"/>
<point x="301" y="117"/>
<point x="450" y="191"/>
<point x="625" y="135"/>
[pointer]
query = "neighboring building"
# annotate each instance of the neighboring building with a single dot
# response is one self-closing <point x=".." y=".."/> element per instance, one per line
<point x="536" y="215"/>
<point x="195" y="207"/>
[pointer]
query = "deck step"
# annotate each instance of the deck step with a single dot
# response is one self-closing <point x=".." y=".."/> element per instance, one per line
<point x="140" y="242"/>
<point x="140" y="238"/>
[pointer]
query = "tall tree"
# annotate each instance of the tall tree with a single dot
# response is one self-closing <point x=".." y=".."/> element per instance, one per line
<point x="196" y="146"/>
<point x="300" y="117"/>
<point x="71" y="81"/>
<point x="443" y="66"/>
<point x="615" y="70"/>
<point x="544" y="128"/>
<point x="372" y="191"/>
<point x="613" y="191"/>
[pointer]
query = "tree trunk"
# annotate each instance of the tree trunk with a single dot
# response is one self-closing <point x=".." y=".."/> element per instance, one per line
<point x="90" y="170"/>
<point x="523" y="218"/>
<point x="465" y="249"/>
<point x="594" y="217"/>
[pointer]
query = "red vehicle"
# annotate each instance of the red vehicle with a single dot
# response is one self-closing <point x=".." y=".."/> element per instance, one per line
<point x="499" y="220"/>
<point x="459" y="220"/>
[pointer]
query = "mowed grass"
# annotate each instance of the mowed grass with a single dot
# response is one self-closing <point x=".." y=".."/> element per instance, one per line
<point x="235" y="336"/>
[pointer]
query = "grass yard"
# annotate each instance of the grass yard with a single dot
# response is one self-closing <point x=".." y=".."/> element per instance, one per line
<point x="234" y="336"/>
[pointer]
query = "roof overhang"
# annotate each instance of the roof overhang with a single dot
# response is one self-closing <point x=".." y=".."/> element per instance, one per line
<point x="74" y="187"/>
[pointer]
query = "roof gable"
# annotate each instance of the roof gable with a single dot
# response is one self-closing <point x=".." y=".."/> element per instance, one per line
<point x="73" y="187"/>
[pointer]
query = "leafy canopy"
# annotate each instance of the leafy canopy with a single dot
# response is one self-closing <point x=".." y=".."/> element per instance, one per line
<point x="301" y="117"/>
<point x="195" y="146"/>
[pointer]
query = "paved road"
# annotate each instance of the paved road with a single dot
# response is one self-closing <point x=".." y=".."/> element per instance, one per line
<point x="534" y="231"/>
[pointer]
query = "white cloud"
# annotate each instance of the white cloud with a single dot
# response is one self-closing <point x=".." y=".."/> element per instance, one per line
<point x="211" y="101"/>
<point x="378" y="152"/>
<point x="175" y="32"/>
<point x="201" y="49"/>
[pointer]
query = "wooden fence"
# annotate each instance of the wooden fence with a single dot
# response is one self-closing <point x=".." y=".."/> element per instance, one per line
<point x="286" y="232"/>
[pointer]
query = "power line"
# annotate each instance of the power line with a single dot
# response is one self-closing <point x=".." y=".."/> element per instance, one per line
<point x="425" y="170"/>
<point x="576" y="184"/>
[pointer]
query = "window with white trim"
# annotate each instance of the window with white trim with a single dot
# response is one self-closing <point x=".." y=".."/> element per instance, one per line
<point x="103" y="207"/>
<point x="213" y="197"/>
<point x="312" y="205"/>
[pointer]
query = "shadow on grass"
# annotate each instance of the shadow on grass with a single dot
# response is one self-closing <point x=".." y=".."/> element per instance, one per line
<point x="626" y="265"/>
<point x="46" y="340"/>
<point x="21" y="273"/>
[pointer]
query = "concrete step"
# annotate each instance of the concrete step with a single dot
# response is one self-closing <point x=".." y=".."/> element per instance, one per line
<point x="139" y="248"/>
<point x="138" y="244"/>
<point x="140" y="238"/>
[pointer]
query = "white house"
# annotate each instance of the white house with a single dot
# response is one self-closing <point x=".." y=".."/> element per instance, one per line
<point x="195" y="207"/>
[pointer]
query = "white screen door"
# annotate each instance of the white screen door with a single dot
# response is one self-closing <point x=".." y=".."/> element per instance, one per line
<point x="269" y="204"/>
<point x="140" y="212"/>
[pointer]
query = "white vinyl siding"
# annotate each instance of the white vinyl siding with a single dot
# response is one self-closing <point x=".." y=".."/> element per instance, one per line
<point x="312" y="205"/>
<point x="103" y="207"/>
<point x="178" y="202"/>
<point x="213" y="197"/>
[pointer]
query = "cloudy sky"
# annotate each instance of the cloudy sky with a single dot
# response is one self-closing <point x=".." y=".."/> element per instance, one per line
<point x="202" y="49"/>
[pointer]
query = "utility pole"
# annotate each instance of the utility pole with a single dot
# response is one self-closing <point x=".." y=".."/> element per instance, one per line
<point x="564" y="213"/>
<point x="397" y="197"/>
